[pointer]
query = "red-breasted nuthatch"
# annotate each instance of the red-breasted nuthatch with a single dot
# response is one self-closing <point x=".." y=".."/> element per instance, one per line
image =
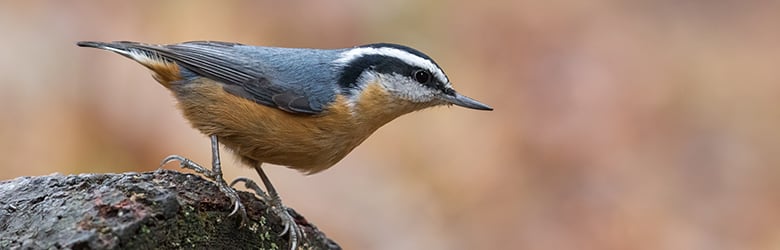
<point x="301" y="108"/>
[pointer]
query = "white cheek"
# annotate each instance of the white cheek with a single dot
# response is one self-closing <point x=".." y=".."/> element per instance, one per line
<point x="402" y="87"/>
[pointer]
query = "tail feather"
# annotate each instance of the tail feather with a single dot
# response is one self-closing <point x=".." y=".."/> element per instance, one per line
<point x="165" y="70"/>
<point x="91" y="44"/>
<point x="136" y="51"/>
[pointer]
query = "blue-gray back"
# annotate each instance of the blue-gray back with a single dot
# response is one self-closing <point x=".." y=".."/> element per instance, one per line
<point x="292" y="79"/>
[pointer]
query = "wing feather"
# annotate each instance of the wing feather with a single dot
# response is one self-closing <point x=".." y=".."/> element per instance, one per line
<point x="221" y="62"/>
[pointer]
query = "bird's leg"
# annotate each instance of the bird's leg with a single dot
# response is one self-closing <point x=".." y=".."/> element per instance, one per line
<point x="272" y="199"/>
<point x="214" y="174"/>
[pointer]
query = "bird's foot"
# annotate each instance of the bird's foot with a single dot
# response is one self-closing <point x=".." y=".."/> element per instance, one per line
<point x="215" y="175"/>
<point x="291" y="228"/>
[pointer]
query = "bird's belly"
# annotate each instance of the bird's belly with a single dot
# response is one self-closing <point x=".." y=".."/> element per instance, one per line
<point x="305" y="148"/>
<point x="262" y="134"/>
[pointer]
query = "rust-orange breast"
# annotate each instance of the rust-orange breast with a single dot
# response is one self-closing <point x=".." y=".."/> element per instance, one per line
<point x="258" y="133"/>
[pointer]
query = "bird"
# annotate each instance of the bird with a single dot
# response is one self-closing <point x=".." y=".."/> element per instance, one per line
<point x="302" y="108"/>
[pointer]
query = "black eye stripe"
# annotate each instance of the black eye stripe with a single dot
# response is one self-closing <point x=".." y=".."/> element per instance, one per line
<point x="385" y="65"/>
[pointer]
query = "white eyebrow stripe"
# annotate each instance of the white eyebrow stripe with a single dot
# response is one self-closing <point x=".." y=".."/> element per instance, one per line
<point x="409" y="58"/>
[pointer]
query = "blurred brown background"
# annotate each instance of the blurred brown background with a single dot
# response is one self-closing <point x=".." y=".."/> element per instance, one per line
<point x="618" y="124"/>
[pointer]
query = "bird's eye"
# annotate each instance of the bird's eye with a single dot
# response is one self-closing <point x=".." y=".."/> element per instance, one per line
<point x="422" y="76"/>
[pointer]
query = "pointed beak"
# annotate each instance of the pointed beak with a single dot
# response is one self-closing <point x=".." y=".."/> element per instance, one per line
<point x="465" y="101"/>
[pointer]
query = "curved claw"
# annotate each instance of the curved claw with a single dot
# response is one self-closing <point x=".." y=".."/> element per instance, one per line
<point x="189" y="164"/>
<point x="290" y="227"/>
<point x="171" y="158"/>
<point x="239" y="179"/>
<point x="236" y="206"/>
<point x="216" y="175"/>
<point x="286" y="228"/>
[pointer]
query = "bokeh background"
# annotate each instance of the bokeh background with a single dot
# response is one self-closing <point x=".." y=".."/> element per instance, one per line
<point x="617" y="124"/>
